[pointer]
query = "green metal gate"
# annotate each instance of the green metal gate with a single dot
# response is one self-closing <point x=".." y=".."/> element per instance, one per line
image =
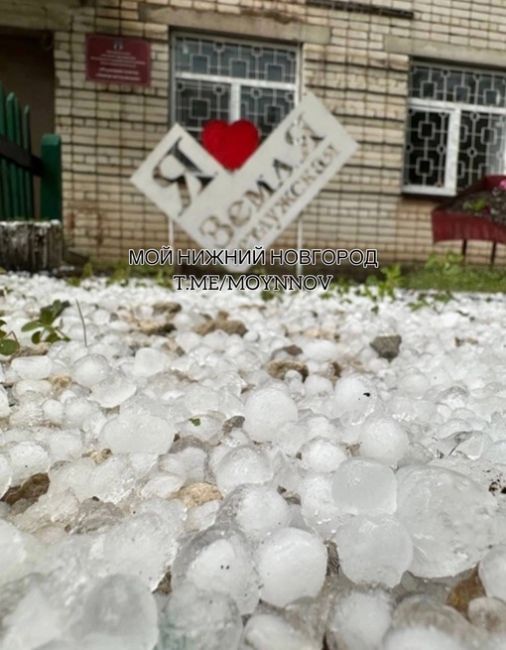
<point x="19" y="167"/>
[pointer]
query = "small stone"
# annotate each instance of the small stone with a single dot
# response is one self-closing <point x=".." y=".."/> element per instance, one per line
<point x="31" y="490"/>
<point x="465" y="591"/>
<point x="155" y="329"/>
<point x="292" y="350"/>
<point x="459" y="342"/>
<point x="387" y="347"/>
<point x="60" y="382"/>
<point x="165" y="585"/>
<point x="279" y="367"/>
<point x="221" y="322"/>
<point x="197" y="494"/>
<point x="168" y="308"/>
<point x="234" y="422"/>
<point x="100" y="456"/>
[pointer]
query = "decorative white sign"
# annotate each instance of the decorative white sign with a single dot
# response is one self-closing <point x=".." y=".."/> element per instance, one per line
<point x="251" y="206"/>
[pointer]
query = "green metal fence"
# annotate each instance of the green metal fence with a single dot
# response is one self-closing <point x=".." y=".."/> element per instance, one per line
<point x="19" y="167"/>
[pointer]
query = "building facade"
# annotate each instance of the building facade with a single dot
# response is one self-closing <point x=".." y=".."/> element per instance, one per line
<point x="419" y="84"/>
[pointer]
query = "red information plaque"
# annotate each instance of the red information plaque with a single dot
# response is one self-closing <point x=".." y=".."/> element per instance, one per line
<point x="118" y="60"/>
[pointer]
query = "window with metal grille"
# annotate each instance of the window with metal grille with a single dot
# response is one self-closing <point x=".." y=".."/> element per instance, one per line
<point x="456" y="128"/>
<point x="221" y="79"/>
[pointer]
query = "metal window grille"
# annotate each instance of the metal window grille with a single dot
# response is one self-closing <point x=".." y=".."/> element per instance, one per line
<point x="215" y="78"/>
<point x="456" y="128"/>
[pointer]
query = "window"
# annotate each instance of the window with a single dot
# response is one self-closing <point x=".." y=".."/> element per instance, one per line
<point x="221" y="79"/>
<point x="456" y="128"/>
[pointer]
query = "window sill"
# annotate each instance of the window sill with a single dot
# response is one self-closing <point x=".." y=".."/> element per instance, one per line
<point x="427" y="196"/>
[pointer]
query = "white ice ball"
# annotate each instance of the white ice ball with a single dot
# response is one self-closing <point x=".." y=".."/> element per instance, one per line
<point x="383" y="439"/>
<point x="270" y="632"/>
<point x="35" y="367"/>
<point x="322" y="455"/>
<point x="90" y="370"/>
<point x="246" y="464"/>
<point x="144" y="434"/>
<point x="363" y="486"/>
<point x="354" y="398"/>
<point x="257" y="509"/>
<point x="292" y="565"/>
<point x="219" y="559"/>
<point x="492" y="571"/>
<point x="266" y="410"/>
<point x="421" y="638"/>
<point x="374" y="550"/>
<point x="361" y="619"/>
<point x="120" y="606"/>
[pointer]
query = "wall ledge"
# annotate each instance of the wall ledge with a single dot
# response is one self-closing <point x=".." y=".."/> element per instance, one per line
<point x="436" y="50"/>
<point x="270" y="25"/>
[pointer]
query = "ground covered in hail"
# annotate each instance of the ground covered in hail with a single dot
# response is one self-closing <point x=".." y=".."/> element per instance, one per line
<point x="217" y="471"/>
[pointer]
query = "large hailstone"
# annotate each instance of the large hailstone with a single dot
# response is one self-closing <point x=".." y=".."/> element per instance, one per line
<point x="5" y="409"/>
<point x="421" y="638"/>
<point x="450" y="519"/>
<point x="270" y="632"/>
<point x="219" y="559"/>
<point x="292" y="565"/>
<point x="200" y="620"/>
<point x="363" y="486"/>
<point x="256" y="509"/>
<point x="241" y="465"/>
<point x="354" y="399"/>
<point x="90" y="370"/>
<point x="374" y="550"/>
<point x="266" y="410"/>
<point x="383" y="439"/>
<point x="121" y="607"/>
<point x="360" y="619"/>
<point x="492" y="572"/>
<point x="5" y="475"/>
<point x="34" y="367"/>
<point x="138" y="433"/>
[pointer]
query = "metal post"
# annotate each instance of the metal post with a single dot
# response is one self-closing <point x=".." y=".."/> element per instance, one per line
<point x="51" y="185"/>
<point x="300" y="243"/>
<point x="464" y="248"/>
<point x="493" y="253"/>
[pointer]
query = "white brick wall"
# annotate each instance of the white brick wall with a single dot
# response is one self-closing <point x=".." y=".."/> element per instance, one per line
<point x="108" y="130"/>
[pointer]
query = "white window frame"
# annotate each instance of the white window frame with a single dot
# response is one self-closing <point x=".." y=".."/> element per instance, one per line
<point x="236" y="83"/>
<point x="454" y="110"/>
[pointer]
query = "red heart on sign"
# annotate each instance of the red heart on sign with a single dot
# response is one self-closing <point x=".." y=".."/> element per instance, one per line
<point x="230" y="144"/>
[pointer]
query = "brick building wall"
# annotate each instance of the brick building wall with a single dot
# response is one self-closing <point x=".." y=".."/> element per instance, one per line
<point x="360" y="72"/>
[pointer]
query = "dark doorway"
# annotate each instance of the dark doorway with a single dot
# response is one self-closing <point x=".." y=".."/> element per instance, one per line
<point x="27" y="69"/>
